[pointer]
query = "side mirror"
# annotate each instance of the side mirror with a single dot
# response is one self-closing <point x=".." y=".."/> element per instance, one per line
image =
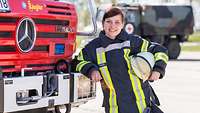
<point x="93" y="16"/>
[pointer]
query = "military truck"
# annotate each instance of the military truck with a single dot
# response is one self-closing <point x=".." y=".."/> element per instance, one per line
<point x="168" y="25"/>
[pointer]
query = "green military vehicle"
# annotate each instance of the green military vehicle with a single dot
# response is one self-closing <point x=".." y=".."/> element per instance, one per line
<point x="168" y="25"/>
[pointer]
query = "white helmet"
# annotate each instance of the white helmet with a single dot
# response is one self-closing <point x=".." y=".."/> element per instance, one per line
<point x="142" y="64"/>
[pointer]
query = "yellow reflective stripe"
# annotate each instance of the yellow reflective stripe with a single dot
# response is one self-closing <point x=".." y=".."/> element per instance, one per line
<point x="133" y="79"/>
<point x="113" y="98"/>
<point x="145" y="44"/>
<point x="141" y="95"/>
<point x="80" y="56"/>
<point x="101" y="58"/>
<point x="161" y="56"/>
<point x="80" y="65"/>
<point x="136" y="84"/>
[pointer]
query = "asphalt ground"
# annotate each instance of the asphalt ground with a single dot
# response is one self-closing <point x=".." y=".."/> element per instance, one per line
<point x="178" y="91"/>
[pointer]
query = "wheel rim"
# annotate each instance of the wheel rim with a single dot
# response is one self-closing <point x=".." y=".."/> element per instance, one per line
<point x="63" y="108"/>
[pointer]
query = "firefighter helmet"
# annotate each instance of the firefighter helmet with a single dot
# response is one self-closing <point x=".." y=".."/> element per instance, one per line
<point x="142" y="64"/>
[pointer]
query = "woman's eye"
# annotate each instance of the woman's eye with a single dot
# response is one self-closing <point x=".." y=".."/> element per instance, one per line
<point x="108" y="21"/>
<point x="112" y="22"/>
<point x="117" y="23"/>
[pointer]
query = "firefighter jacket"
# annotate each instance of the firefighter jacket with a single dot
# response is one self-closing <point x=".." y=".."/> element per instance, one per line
<point x="123" y="91"/>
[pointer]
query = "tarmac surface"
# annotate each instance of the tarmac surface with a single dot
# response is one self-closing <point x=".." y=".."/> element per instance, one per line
<point x="178" y="91"/>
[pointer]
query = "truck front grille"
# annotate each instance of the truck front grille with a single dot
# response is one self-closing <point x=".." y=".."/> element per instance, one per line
<point x="8" y="20"/>
<point x="59" y="10"/>
<point x="51" y="22"/>
<point x="5" y="34"/>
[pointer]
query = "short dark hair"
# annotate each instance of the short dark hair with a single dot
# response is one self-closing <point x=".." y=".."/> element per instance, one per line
<point x="113" y="12"/>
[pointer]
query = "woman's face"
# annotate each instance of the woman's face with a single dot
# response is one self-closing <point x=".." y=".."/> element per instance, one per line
<point x="112" y="26"/>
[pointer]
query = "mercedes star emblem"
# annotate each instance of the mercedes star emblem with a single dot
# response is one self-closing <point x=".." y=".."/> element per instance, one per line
<point x="26" y="35"/>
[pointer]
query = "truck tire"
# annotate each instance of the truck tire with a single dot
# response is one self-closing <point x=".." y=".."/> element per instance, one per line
<point x="62" y="66"/>
<point x="66" y="108"/>
<point x="174" y="48"/>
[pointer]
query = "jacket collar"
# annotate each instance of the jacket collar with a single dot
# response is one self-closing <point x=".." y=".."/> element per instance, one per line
<point x="105" y="41"/>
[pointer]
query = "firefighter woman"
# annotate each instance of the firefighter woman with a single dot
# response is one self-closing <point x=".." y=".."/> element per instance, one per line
<point x="106" y="59"/>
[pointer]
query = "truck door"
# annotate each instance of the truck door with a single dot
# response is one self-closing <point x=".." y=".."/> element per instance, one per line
<point x="133" y="20"/>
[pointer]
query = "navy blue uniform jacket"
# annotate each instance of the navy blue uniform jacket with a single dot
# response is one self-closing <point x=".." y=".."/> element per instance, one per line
<point x="123" y="91"/>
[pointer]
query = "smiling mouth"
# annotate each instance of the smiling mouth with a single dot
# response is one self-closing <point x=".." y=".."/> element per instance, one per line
<point x="111" y="30"/>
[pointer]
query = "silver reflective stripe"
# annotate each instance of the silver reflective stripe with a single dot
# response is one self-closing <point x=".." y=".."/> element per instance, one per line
<point x="101" y="59"/>
<point x="140" y="100"/>
<point x="112" y="99"/>
<point x="100" y="51"/>
<point x="117" y="46"/>
<point x="136" y="84"/>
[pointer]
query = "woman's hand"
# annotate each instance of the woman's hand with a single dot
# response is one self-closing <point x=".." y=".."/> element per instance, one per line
<point x="96" y="76"/>
<point x="154" y="76"/>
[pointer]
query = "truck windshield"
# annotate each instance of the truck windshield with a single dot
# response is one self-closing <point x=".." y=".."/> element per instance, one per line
<point x="133" y="16"/>
<point x="130" y="16"/>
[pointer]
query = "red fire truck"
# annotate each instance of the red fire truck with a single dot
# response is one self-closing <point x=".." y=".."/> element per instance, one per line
<point x="37" y="41"/>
